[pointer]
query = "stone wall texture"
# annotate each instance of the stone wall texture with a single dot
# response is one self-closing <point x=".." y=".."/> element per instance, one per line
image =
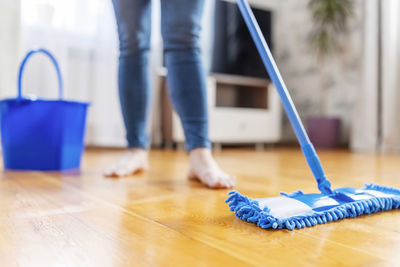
<point x="301" y="70"/>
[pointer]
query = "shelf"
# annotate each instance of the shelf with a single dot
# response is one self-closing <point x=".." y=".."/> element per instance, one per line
<point x="241" y="92"/>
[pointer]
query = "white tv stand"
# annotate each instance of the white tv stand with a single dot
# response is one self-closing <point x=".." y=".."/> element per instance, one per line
<point x="242" y="110"/>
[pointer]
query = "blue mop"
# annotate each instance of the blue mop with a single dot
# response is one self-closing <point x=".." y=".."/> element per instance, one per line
<point x="298" y="210"/>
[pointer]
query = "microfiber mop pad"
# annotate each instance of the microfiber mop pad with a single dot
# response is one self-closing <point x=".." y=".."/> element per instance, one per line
<point x="298" y="210"/>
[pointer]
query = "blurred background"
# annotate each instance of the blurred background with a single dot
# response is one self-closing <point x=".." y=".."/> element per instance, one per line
<point x="341" y="64"/>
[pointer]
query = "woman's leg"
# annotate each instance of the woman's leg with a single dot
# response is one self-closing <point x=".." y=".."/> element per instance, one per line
<point x="134" y="30"/>
<point x="181" y="27"/>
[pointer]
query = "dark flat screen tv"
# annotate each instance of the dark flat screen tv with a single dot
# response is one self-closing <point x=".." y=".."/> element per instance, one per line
<point x="234" y="51"/>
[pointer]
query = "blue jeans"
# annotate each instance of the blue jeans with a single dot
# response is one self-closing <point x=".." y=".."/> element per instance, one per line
<point x="186" y="82"/>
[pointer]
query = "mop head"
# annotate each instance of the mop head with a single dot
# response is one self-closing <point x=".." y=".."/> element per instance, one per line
<point x="298" y="210"/>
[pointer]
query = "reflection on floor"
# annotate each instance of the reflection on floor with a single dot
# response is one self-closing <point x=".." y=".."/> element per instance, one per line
<point x="159" y="218"/>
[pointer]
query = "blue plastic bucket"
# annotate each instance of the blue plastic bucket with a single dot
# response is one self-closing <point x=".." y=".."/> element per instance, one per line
<point x="39" y="134"/>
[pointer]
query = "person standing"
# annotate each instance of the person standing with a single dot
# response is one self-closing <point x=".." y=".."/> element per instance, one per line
<point x="186" y="80"/>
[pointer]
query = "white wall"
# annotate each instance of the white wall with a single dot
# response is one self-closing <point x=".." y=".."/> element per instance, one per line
<point x="365" y="120"/>
<point x="9" y="37"/>
<point x="82" y="35"/>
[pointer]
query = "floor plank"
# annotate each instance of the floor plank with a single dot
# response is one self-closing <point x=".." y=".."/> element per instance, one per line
<point x="159" y="218"/>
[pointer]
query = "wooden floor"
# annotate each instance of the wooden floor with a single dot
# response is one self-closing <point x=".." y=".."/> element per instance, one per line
<point x="159" y="218"/>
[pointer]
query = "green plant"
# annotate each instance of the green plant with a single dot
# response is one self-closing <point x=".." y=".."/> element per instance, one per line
<point x="330" y="20"/>
<point x="330" y="23"/>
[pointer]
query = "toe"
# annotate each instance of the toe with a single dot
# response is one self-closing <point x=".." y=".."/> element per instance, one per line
<point x="221" y="182"/>
<point x="228" y="181"/>
<point x="218" y="185"/>
<point x="109" y="172"/>
<point x="191" y="175"/>
<point x="124" y="172"/>
<point x="232" y="181"/>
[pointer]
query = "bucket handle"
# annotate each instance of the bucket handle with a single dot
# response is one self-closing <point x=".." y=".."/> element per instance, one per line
<point x="52" y="58"/>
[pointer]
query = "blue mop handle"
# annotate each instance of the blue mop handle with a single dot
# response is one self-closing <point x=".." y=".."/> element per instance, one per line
<point x="308" y="149"/>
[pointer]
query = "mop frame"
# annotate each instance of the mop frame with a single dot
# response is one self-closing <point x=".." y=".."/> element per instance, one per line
<point x="249" y="210"/>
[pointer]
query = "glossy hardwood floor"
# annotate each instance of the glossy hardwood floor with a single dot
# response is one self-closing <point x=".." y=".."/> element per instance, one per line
<point x="159" y="218"/>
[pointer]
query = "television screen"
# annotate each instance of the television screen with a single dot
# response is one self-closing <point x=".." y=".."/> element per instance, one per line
<point x="234" y="51"/>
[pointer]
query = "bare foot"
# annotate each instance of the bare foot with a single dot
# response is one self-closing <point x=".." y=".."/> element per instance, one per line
<point x="204" y="168"/>
<point x="133" y="161"/>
